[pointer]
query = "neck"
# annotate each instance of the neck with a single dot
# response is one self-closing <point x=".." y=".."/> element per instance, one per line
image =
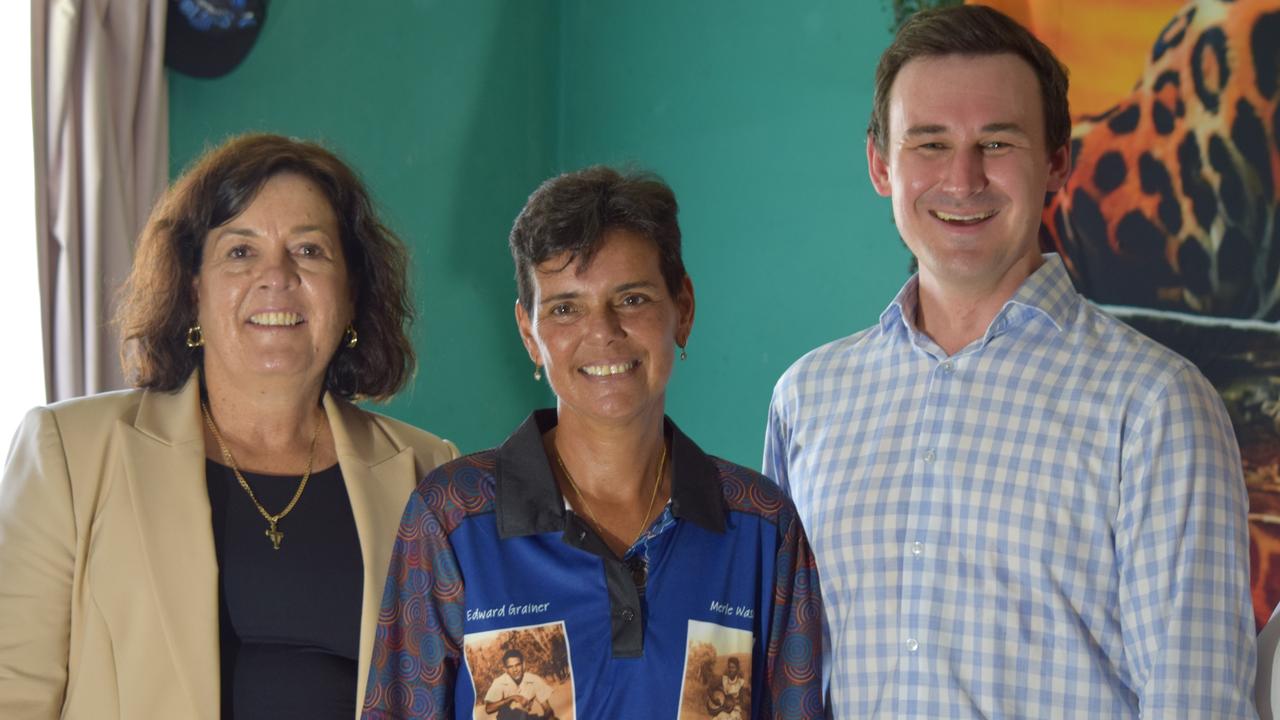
<point x="615" y="463"/>
<point x="954" y="316"/>
<point x="267" y="430"/>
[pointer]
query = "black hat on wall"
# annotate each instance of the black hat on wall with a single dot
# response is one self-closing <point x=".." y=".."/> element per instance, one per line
<point x="209" y="38"/>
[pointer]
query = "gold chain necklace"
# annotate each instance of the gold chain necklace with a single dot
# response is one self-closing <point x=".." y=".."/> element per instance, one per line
<point x="272" y="533"/>
<point x="644" y="521"/>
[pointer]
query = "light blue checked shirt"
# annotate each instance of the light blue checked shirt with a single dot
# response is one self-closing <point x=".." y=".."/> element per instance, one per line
<point x="1050" y="523"/>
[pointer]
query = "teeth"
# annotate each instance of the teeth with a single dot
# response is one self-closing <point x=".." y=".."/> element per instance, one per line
<point x="606" y="370"/>
<point x="948" y="217"/>
<point x="276" y="318"/>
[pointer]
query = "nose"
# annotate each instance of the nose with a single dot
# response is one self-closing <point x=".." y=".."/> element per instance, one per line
<point x="606" y="324"/>
<point x="279" y="270"/>
<point x="965" y="173"/>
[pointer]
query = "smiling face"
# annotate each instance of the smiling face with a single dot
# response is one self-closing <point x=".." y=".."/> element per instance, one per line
<point x="273" y="297"/>
<point x="606" y="332"/>
<point x="967" y="168"/>
<point x="515" y="668"/>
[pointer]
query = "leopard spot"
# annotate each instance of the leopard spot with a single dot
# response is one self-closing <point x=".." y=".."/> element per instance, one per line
<point x="1110" y="172"/>
<point x="1209" y="69"/>
<point x="1168" y="77"/>
<point x="1125" y="122"/>
<point x="1265" y="41"/>
<point x="1193" y="263"/>
<point x="1165" y="95"/>
<point x="1156" y="181"/>
<point x="1138" y="236"/>
<point x="1162" y="118"/>
<point x="1172" y="34"/>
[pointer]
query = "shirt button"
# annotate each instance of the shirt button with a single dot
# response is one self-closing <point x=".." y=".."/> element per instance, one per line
<point x="628" y="615"/>
<point x="948" y="367"/>
<point x="930" y="455"/>
<point x="917" y="548"/>
<point x="912" y="645"/>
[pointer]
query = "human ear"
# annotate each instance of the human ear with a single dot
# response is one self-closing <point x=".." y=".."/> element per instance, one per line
<point x="878" y="168"/>
<point x="525" y="325"/>
<point x="685" y="306"/>
<point x="1059" y="168"/>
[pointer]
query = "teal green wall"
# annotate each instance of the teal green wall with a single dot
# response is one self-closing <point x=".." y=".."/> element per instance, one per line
<point x="753" y="111"/>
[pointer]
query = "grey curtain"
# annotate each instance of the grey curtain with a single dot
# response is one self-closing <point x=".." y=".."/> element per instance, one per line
<point x="102" y="151"/>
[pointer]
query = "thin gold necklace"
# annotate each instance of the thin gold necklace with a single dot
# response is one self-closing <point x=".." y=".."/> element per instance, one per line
<point x="644" y="521"/>
<point x="272" y="533"/>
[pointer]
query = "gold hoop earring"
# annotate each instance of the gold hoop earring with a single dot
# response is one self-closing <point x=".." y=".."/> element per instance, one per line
<point x="350" y="337"/>
<point x="537" y="372"/>
<point x="195" y="336"/>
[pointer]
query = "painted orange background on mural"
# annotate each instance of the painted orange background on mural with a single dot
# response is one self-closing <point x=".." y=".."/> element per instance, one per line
<point x="1104" y="43"/>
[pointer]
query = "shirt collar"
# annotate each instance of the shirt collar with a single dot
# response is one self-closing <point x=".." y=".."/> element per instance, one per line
<point x="528" y="501"/>
<point x="1047" y="292"/>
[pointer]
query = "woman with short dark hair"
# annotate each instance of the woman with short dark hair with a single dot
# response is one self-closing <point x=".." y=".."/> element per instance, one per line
<point x="598" y="528"/>
<point x="213" y="543"/>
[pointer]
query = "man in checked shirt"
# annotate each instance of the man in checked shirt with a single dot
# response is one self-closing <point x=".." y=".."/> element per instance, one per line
<point x="1020" y="507"/>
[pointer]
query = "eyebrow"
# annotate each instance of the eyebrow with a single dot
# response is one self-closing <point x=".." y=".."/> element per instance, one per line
<point x="571" y="294"/>
<point x="248" y="232"/>
<point x="917" y="130"/>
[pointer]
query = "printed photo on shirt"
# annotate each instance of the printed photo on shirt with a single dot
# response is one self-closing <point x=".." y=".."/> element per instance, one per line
<point x="521" y="673"/>
<point x="717" y="673"/>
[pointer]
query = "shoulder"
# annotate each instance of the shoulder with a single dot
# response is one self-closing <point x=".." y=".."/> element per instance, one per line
<point x="1135" y="362"/>
<point x="121" y="404"/>
<point x="832" y="359"/>
<point x="430" y="450"/>
<point x="1144" y="385"/>
<point x="459" y="488"/>
<point x="747" y="491"/>
<point x="80" y="420"/>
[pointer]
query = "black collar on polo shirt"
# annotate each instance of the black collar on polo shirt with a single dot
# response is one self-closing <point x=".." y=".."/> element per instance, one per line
<point x="528" y="501"/>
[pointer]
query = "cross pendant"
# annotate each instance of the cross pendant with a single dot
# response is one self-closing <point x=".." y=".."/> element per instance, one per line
<point x="275" y="535"/>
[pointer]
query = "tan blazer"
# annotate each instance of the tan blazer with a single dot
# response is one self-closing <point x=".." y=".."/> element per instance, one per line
<point x="108" y="578"/>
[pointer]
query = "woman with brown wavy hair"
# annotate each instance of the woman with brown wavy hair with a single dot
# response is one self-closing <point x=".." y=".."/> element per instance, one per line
<point x="232" y="517"/>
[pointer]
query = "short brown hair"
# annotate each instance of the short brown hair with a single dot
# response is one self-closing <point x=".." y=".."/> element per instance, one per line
<point x="157" y="303"/>
<point x="572" y="212"/>
<point x="972" y="30"/>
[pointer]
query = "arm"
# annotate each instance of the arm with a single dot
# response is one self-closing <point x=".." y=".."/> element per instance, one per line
<point x="776" y="446"/>
<point x="419" y="643"/>
<point x="793" y="665"/>
<point x="494" y="700"/>
<point x="496" y="705"/>
<point x="1182" y="550"/>
<point x="37" y="563"/>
